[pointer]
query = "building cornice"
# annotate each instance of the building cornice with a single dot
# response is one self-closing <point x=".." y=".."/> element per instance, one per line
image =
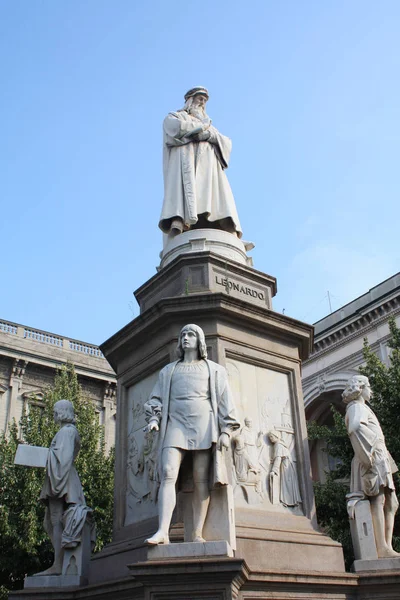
<point x="354" y="327"/>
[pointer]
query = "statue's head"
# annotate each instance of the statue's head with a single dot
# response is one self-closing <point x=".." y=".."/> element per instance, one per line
<point x="64" y="412"/>
<point x="199" y="338"/>
<point x="273" y="436"/>
<point x="196" y="100"/>
<point x="248" y="422"/>
<point x="357" y="387"/>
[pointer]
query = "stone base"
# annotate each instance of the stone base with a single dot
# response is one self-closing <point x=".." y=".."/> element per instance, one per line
<point x="189" y="550"/>
<point x="378" y="564"/>
<point x="225" y="579"/>
<point x="52" y="581"/>
<point x="220" y="242"/>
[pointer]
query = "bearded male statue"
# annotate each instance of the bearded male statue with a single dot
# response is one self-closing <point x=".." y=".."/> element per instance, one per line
<point x="197" y="193"/>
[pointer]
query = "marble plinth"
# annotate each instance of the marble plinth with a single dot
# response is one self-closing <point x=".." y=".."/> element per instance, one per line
<point x="378" y="564"/>
<point x="54" y="581"/>
<point x="219" y="242"/>
<point x="189" y="550"/>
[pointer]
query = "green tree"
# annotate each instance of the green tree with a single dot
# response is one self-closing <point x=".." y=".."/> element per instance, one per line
<point x="24" y="545"/>
<point x="330" y="496"/>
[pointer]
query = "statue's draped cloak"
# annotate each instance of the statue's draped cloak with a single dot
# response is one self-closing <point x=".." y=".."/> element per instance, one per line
<point x="372" y="465"/>
<point x="62" y="480"/>
<point x="194" y="178"/>
<point x="289" y="487"/>
<point x="223" y="412"/>
<point x="62" y="483"/>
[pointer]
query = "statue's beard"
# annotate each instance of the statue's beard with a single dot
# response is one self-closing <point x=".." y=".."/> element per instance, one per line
<point x="197" y="112"/>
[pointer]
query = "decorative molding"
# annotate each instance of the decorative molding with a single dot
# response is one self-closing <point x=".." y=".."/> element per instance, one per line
<point x="357" y="328"/>
<point x="18" y="368"/>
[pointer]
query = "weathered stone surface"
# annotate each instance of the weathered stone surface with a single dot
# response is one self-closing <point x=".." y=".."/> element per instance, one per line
<point x="51" y="581"/>
<point x="362" y="532"/>
<point x="379" y="564"/>
<point x="198" y="272"/>
<point x="218" y="242"/>
<point x="189" y="550"/>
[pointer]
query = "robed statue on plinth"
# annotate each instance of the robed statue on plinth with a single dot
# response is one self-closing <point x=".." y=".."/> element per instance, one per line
<point x="197" y="193"/>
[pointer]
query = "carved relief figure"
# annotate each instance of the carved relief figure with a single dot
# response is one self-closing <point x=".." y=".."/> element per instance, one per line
<point x="247" y="446"/>
<point x="196" y="190"/>
<point x="283" y="472"/>
<point x="150" y="452"/>
<point x="192" y="408"/>
<point x="66" y="510"/>
<point x="372" y="466"/>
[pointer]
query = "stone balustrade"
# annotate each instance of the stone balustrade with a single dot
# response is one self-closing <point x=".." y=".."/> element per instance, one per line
<point x="49" y="338"/>
<point x="8" y="327"/>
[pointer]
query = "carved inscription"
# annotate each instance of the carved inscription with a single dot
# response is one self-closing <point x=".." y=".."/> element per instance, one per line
<point x="238" y="287"/>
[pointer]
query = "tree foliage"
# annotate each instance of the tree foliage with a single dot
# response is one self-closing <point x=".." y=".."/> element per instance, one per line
<point x="330" y="496"/>
<point x="24" y="546"/>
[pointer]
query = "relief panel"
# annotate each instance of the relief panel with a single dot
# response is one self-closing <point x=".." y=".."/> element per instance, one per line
<point x="141" y="460"/>
<point x="264" y="455"/>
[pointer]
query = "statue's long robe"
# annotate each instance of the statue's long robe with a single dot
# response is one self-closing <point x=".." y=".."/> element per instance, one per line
<point x="62" y="483"/>
<point x="372" y="465"/>
<point x="62" y="480"/>
<point x="194" y="176"/>
<point x="223" y="412"/>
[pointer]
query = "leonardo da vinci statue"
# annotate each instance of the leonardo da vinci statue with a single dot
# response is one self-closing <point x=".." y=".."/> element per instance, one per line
<point x="197" y="193"/>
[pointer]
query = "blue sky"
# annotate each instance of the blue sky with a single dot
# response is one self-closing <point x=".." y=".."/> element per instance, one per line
<point x="308" y="91"/>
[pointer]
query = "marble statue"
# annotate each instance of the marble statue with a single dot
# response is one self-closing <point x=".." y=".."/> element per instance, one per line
<point x="283" y="470"/>
<point x="196" y="190"/>
<point x="372" y="467"/>
<point x="192" y="408"/>
<point x="66" y="510"/>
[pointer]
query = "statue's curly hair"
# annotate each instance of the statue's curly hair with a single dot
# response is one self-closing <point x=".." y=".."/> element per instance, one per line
<point x="201" y="340"/>
<point x="65" y="411"/>
<point x="354" y="388"/>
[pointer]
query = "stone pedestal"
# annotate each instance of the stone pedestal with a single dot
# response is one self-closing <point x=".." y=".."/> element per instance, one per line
<point x="75" y="569"/>
<point x="362" y="532"/>
<point x="191" y="580"/>
<point x="218" y="242"/>
<point x="262" y="352"/>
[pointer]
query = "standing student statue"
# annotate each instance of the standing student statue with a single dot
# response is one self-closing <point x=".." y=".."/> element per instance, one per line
<point x="192" y="408"/>
<point x="372" y="467"/>
<point x="66" y="510"/>
<point x="195" y="156"/>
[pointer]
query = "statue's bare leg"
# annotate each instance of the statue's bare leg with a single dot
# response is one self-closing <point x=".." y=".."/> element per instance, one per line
<point x="56" y="509"/>
<point x="390" y="509"/>
<point x="380" y="525"/>
<point x="171" y="461"/>
<point x="201" y="492"/>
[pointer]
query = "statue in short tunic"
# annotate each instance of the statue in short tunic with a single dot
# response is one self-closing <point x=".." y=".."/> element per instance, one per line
<point x="192" y="407"/>
<point x="196" y="190"/>
<point x="372" y="467"/>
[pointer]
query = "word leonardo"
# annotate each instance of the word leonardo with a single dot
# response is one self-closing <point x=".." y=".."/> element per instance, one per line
<point x="231" y="285"/>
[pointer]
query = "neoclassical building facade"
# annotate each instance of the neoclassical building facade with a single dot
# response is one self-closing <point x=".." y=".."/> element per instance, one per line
<point x="338" y="353"/>
<point x="29" y="359"/>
